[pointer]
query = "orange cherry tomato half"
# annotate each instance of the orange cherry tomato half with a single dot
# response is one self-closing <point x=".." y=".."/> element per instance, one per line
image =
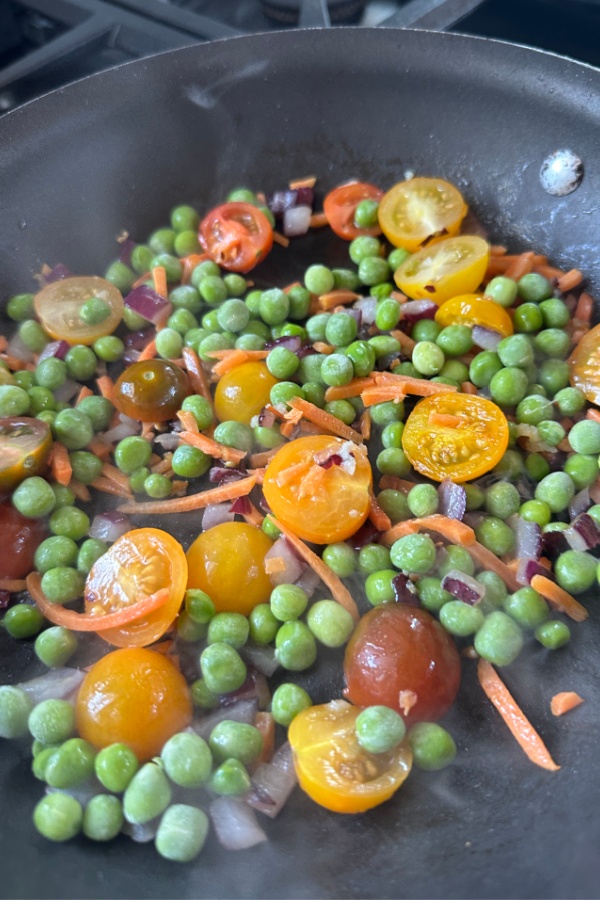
<point x="320" y="503"/>
<point x="332" y="767"/>
<point x="420" y="211"/>
<point x="585" y="365"/>
<point x="340" y="205"/>
<point x="58" y="307"/>
<point x="473" y="309"/>
<point x="151" y="390"/>
<point x="133" y="696"/>
<point x="228" y="563"/>
<point x="445" y="269"/>
<point x="457" y="436"/>
<point x="242" y="392"/>
<point x="25" y="446"/>
<point x="141" y="562"/>
<point x="236" y="236"/>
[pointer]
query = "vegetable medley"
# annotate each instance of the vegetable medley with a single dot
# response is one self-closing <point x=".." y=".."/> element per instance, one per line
<point x="394" y="463"/>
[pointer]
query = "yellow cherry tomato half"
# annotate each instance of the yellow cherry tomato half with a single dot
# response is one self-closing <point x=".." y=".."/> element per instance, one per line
<point x="585" y="365"/>
<point x="419" y="211"/>
<point x="242" y="392"/>
<point x="319" y="487"/>
<point x="25" y="445"/>
<point x="473" y="309"/>
<point x="332" y="767"/>
<point x="59" y="304"/>
<point x="139" y="563"/>
<point x="457" y="436"/>
<point x="443" y="270"/>
<point x="228" y="563"/>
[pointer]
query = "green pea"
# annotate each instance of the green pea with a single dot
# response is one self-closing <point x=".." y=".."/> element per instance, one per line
<point x="98" y="410"/>
<point x="393" y="461"/>
<point x="288" y="601"/>
<point x="157" y="486"/>
<point x="397" y="256"/>
<point x="55" y="646"/>
<point x="230" y="779"/>
<point x="62" y="584"/>
<point x="340" y="558"/>
<point x="428" y="358"/>
<point x="71" y="764"/>
<point x="20" y="307"/>
<point x="584" y="437"/>
<point x="551" y="432"/>
<point x="460" y="618"/>
<point x="33" y="335"/>
<point x="282" y="363"/>
<point x="575" y="571"/>
<point x="34" y="497"/>
<point x="58" y="817"/>
<point x="379" y="729"/>
<point x="582" y="470"/>
<point x="15" y="708"/>
<point x="115" y="766"/>
<point x="536" y="511"/>
<point x="528" y="318"/>
<point x="147" y="795"/>
<point x="499" y="640"/>
<point x="363" y="247"/>
<point x="391" y="436"/>
<point x="414" y="553"/>
<point x="431" y="593"/>
<point x="109" y="348"/>
<point x="569" y="401"/>
<point x="433" y="748"/>
<point x="202" y="696"/>
<point x="86" y="466"/>
<point x="484" y="367"/>
<point x="295" y="646"/>
<point x="330" y="623"/>
<point x="73" y="428"/>
<point x="553" y="342"/>
<point x="455" y="340"/>
<point x="235" y="740"/>
<point x="502" y="500"/>
<point x="187" y="760"/>
<point x="557" y="490"/>
<point x="534" y="287"/>
<point x="228" y="628"/>
<point x="90" y="551"/>
<point x="394" y="504"/>
<point x="379" y="586"/>
<point x="496" y="535"/>
<point x="222" y="668"/>
<point x="288" y="701"/>
<point x="103" y="818"/>
<point x="52" y="721"/>
<point x="553" y="374"/>
<point x="455" y="557"/>
<point x="55" y="551"/>
<point x="337" y="370"/>
<point x="274" y="306"/>
<point x="553" y="634"/>
<point x="263" y="624"/>
<point x="70" y="521"/>
<point x="14" y="401"/>
<point x="181" y="833"/>
<point x="502" y="290"/>
<point x="527" y="607"/>
<point x="169" y="343"/>
<point x="422" y="500"/>
<point x="23" y="620"/>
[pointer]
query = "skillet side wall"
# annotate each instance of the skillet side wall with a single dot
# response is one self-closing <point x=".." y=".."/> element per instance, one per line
<point x="117" y="151"/>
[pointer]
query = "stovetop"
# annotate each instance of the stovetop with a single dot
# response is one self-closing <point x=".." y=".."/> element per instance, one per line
<point x="45" y="44"/>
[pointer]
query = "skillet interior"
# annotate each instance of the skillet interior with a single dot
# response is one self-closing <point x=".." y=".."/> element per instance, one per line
<point x="118" y="150"/>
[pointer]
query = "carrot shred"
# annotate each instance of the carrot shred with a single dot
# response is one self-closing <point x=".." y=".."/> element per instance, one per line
<point x="584" y="308"/>
<point x="293" y="416"/>
<point x="308" y="182"/>
<point x="80" y="490"/>
<point x="559" y="598"/>
<point x="83" y="393"/>
<point x="399" y="296"/>
<point x="148" y="352"/>
<point x="257" y="460"/>
<point x="318" y="220"/>
<point x="3" y="343"/>
<point x="106" y="486"/>
<point x="337" y="297"/>
<point x="197" y="375"/>
<point x="497" y="250"/>
<point x="364" y="423"/>
<point x="593" y="414"/>
<point x="189" y="264"/>
<point x="550" y="272"/>
<point x="220" y="494"/>
<point x="452" y="529"/>
<point x="235" y="358"/>
<point x="274" y="564"/>
<point x="280" y="239"/>
<point x="522" y="265"/>
<point x="339" y="591"/>
<point x="354" y="388"/>
<point x="106" y="387"/>
<point x="378" y="517"/>
<point x="111" y="473"/>
<point x="60" y="464"/>
<point x="265" y="723"/>
<point x="250" y="354"/>
<point x="12" y="585"/>
<point x="514" y="717"/>
<point x="159" y="277"/>
<point x="325" y="420"/>
<point x="406" y="343"/>
<point x="322" y="347"/>
<point x="467" y="387"/>
<point x="445" y="420"/>
<point x="380" y="393"/>
<point x="488" y="560"/>
<point x="287" y="430"/>
<point x="212" y="447"/>
<point x="188" y="420"/>
<point x="141" y="280"/>
<point x="75" y="621"/>
<point x="564" y="702"/>
<point x="569" y="280"/>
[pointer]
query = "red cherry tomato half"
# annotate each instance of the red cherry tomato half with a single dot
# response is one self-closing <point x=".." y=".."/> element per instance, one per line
<point x="340" y="205"/>
<point x="20" y="539"/>
<point x="236" y="236"/>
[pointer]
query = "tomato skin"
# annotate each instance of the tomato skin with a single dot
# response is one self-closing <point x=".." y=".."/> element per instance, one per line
<point x="20" y="539"/>
<point x="331" y="766"/>
<point x="585" y="365"/>
<point x="398" y="648"/>
<point x="151" y="390"/>
<point x="25" y="446"/>
<point x="57" y="306"/>
<point x="319" y="505"/>
<point x="242" y="392"/>
<point x="461" y="451"/>
<point x="421" y="211"/>
<point x="340" y="204"/>
<point x="237" y="236"/>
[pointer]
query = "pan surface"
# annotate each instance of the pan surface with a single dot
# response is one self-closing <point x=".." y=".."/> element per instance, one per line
<point x="118" y="150"/>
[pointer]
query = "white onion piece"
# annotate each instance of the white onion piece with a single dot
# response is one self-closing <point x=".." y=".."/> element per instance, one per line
<point x="293" y="566"/>
<point x="169" y="440"/>
<point x="244" y="711"/>
<point x="108" y="527"/>
<point x="57" y="684"/>
<point x="272" y="783"/>
<point x="368" y="308"/>
<point x="262" y="658"/>
<point x="120" y="431"/>
<point x="296" y="220"/>
<point x="216" y="514"/>
<point x="66" y="391"/>
<point x="486" y="338"/>
<point x="141" y="834"/>
<point x="19" y="350"/>
<point x="308" y="581"/>
<point x="235" y="824"/>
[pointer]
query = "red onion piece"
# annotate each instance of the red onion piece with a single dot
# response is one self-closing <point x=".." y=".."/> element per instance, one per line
<point x="137" y="340"/>
<point x="366" y="534"/>
<point x="4" y="599"/>
<point x="404" y="590"/>
<point x="223" y="475"/>
<point x="147" y="303"/>
<point x="66" y="391"/>
<point x="368" y="308"/>
<point x="272" y="783"/>
<point x="291" y="342"/>
<point x="58" y="349"/>
<point x="453" y="499"/>
<point x="583" y="533"/>
<point x="527" y="568"/>
<point x="242" y="711"/>
<point x="57" y="273"/>
<point x="554" y="543"/>
<point x="334" y="460"/>
<point x="131" y="356"/>
<point x="261" y="657"/>
<point x="266" y="419"/>
<point x="415" y="310"/>
<point x="486" y="338"/>
<point x="296" y="221"/>
<point x="308" y="581"/>
<point x="255" y="687"/>
<point x="109" y="526"/>
<point x="293" y="566"/>
<point x="57" y="684"/>
<point x="280" y="201"/>
<point x="241" y="506"/>
<point x="528" y="539"/>
<point x="216" y="514"/>
<point x="463" y="587"/>
<point x="580" y="503"/>
<point x="127" y="248"/>
<point x="235" y="824"/>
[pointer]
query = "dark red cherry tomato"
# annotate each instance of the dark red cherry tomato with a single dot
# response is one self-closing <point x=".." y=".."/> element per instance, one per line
<point x="340" y="205"/>
<point x="20" y="539"/>
<point x="151" y="390"/>
<point x="236" y="236"/>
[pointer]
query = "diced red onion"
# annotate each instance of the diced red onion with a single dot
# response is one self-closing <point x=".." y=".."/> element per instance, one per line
<point x="291" y="342"/>
<point x="366" y="534"/>
<point x="272" y="783"/>
<point x="235" y="824"/>
<point x="169" y="440"/>
<point x="368" y="308"/>
<point x="131" y="356"/>
<point x="109" y="526"/>
<point x="261" y="657"/>
<point x="453" y="499"/>
<point x="334" y="460"/>
<point x="57" y="684"/>
<point x="216" y="514"/>
<point x="580" y="503"/>
<point x="583" y="533"/>
<point x="147" y="303"/>
<point x="527" y="568"/>
<point x="404" y="590"/>
<point x="241" y="506"/>
<point x="4" y="599"/>
<point x="463" y="587"/>
<point x="141" y="834"/>
<point x="528" y="539"/>
<point x="17" y="348"/>
<point x="305" y="196"/>
<point x="308" y="581"/>
<point x="243" y="711"/>
<point x="266" y="419"/>
<point x="296" y="221"/>
<point x="280" y="201"/>
<point x="137" y="340"/>
<point x="415" y="310"/>
<point x="58" y="349"/>
<point x="120" y="431"/>
<point x="554" y="543"/>
<point x="66" y="391"/>
<point x="127" y="248"/>
<point x="255" y="687"/>
<point x="222" y="475"/>
<point x="294" y="567"/>
<point x="486" y="338"/>
<point x="56" y="273"/>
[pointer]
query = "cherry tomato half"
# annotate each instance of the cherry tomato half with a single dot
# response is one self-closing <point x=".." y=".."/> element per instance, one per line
<point x="319" y="487"/>
<point x="445" y="269"/>
<point x="340" y="205"/>
<point x="58" y="307"/>
<point x="20" y="539"/>
<point x="242" y="392"/>
<point x="400" y="657"/>
<point x="151" y="390"/>
<point x="135" y="697"/>
<point x="25" y="446"/>
<point x="473" y="309"/>
<point x="332" y="767"/>
<point x="419" y="211"/>
<point x="585" y="365"/>
<point x="457" y="436"/>
<point x="236" y="236"/>
<point x="140" y="562"/>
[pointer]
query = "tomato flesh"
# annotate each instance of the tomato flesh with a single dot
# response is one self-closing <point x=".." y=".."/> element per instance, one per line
<point x="332" y="767"/>
<point x="58" y="306"/>
<point x="473" y="309"/>
<point x="585" y="365"/>
<point x="340" y="205"/>
<point x="242" y="392"/>
<point x="25" y="446"/>
<point x="321" y="503"/>
<point x="20" y="539"/>
<point x="420" y="211"/>
<point x="136" y="697"/>
<point x="151" y="390"/>
<point x="400" y="657"/>
<point x="141" y="562"/>
<point x="445" y="269"/>
<point x="237" y="236"/>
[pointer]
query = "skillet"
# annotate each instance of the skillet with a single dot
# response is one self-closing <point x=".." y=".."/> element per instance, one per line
<point x="118" y="150"/>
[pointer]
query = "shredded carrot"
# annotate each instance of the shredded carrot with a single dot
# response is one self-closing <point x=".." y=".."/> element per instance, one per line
<point x="406" y="701"/>
<point x="141" y="280"/>
<point x="325" y="420"/>
<point x="322" y="347"/>
<point x="338" y="297"/>
<point x="514" y="717"/>
<point x="293" y="416"/>
<point x="564" y="702"/>
<point x="148" y="430"/>
<point x="339" y="591"/>
<point x="60" y="464"/>
<point x="467" y="387"/>
<point x="159" y="277"/>
<point x="308" y="182"/>
<point x="406" y="343"/>
<point x="291" y="286"/>
<point x="593" y="414"/>
<point x="288" y="429"/>
<point x="80" y="490"/>
<point x="148" y="352"/>
<point x="378" y="516"/>
<point x="584" y="308"/>
<point x="445" y="420"/>
<point x="106" y="386"/>
<point x="382" y="393"/>
<point x="280" y="239"/>
<point x="550" y="272"/>
<point x="354" y="388"/>
<point x="291" y="472"/>
<point x="569" y="280"/>
<point x="220" y="494"/>
<point x="559" y="598"/>
<point x="163" y="466"/>
<point x="250" y="354"/>
<point x="274" y="564"/>
<point x="497" y="250"/>
<point x="197" y="376"/>
<point x="318" y="220"/>
<point x="188" y="420"/>
<point x="399" y="296"/>
<point x="3" y="343"/>
<point x="12" y="585"/>
<point x="234" y="358"/>
<point x="83" y="393"/>
<point x="258" y="460"/>
<point x="265" y="723"/>
<point x="75" y="621"/>
<point x="212" y="447"/>
<point x="488" y="560"/>
<point x="364" y="423"/>
<point x="106" y="486"/>
<point x="522" y="265"/>
<point x="111" y="473"/>
<point x="189" y="264"/>
<point x="452" y="529"/>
